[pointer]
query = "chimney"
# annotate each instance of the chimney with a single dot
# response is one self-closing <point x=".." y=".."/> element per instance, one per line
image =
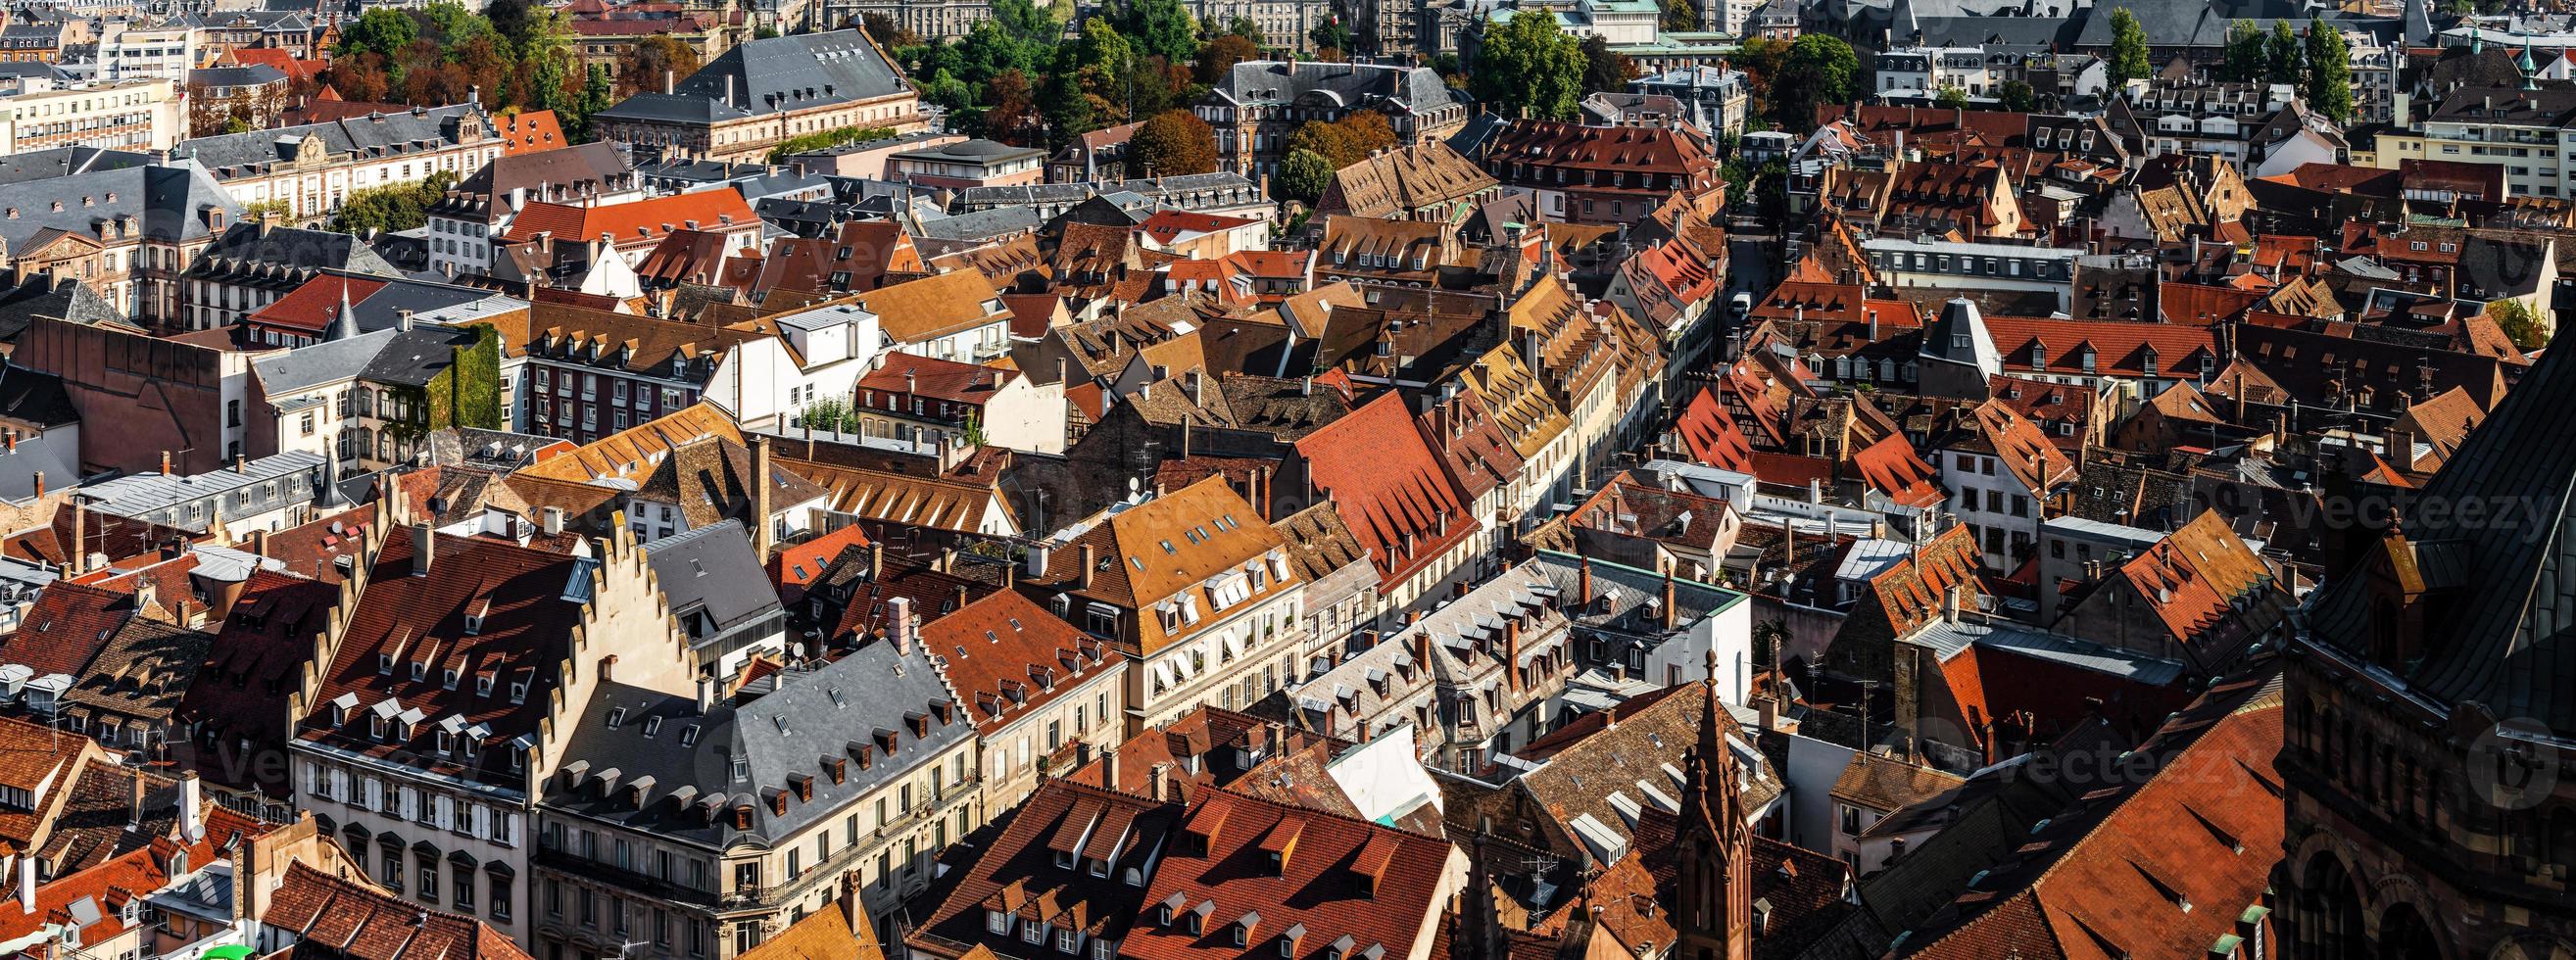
<point x="1512" y="653"/>
<point x="424" y="548"/>
<point x="78" y="556"/>
<point x="165" y="463"/>
<point x="706" y="695"/>
<point x="554" y="521"/>
<point x="27" y="882"/>
<point x="1090" y="559"/>
<point x="1109" y="767"/>
<point x="1583" y="584"/>
<point x="760" y="481"/>
<point x="670" y="81"/>
<point x="1162" y="773"/>
<point x="192" y="808"/>
<point x="899" y="623"/>
<point x="241" y="464"/>
<point x="134" y="804"/>
<point x="1672" y="616"/>
<point x="40" y="484"/>
<point x="1422" y="647"/>
<point x="876" y="561"/>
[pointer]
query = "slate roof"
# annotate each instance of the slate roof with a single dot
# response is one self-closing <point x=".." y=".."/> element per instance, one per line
<point x="63" y="161"/>
<point x="769" y="75"/>
<point x="711" y="571"/>
<point x="168" y="204"/>
<point x="1336" y="86"/>
<point x="652" y="762"/>
<point x="253" y="244"/>
<point x="376" y="135"/>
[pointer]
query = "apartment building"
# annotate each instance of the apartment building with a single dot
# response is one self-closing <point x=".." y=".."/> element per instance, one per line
<point x="314" y="167"/>
<point x="1042" y="694"/>
<point x="693" y="826"/>
<point x="140" y="114"/>
<point x="1257" y="105"/>
<point x="127" y="234"/>
<point x="1194" y="587"/>
<point x="763" y="93"/>
<point x="441" y="705"/>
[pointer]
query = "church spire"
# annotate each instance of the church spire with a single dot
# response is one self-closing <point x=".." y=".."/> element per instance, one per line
<point x="344" y="324"/>
<point x="1713" y="892"/>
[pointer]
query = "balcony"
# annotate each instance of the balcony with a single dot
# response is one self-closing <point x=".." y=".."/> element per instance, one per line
<point x="570" y="865"/>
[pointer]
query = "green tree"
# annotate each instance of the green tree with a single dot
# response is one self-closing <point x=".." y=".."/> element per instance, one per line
<point x="2248" y="60"/>
<point x="1603" y="69"/>
<point x="1818" y="70"/>
<point x="1070" y="110"/>
<point x="1242" y="26"/>
<point x="1331" y="34"/>
<point x="596" y="95"/>
<point x="1303" y="175"/>
<point x="643" y="64"/>
<point x="451" y="24"/>
<point x="1529" y="65"/>
<point x="394" y="207"/>
<point x="2128" y="49"/>
<point x="945" y="90"/>
<point x="514" y="19"/>
<point x="1679" y="17"/>
<point x="2017" y="96"/>
<point x="1950" y="98"/>
<point x="2285" y="54"/>
<point x="2520" y="323"/>
<point x="991" y="50"/>
<point x="1159" y="28"/>
<point x="382" y="31"/>
<point x="1173" y="143"/>
<point x="2329" y="88"/>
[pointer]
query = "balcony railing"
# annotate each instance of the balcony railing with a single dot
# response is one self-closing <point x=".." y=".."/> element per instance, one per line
<point x="566" y="863"/>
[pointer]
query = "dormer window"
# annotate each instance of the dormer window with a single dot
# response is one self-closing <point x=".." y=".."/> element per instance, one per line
<point x="419" y="671"/>
<point x="376" y="726"/>
<point x="483" y="685"/>
<point x="447" y="679"/>
<point x="385" y="664"/>
<point x="518" y="691"/>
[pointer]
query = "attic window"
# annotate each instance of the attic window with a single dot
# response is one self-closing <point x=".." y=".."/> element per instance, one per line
<point x="483" y="685"/>
<point x="518" y="691"/>
<point x="616" y="718"/>
<point x="688" y="737"/>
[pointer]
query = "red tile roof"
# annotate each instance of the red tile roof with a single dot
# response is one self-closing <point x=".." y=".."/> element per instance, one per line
<point x="796" y="566"/>
<point x="312" y="307"/>
<point x="109" y="886"/>
<point x="1007" y="657"/>
<point x="1708" y="433"/>
<point x="1166" y="226"/>
<point x="2202" y="306"/>
<point x="2120" y="348"/>
<point x="1891" y="467"/>
<point x="353" y="919"/>
<point x="636" y="222"/>
<point x="1339" y="877"/>
<point x="256" y="660"/>
<point x="1391" y="487"/>
<point x="66" y="627"/>
<point x="2159" y="869"/>
<point x="1021" y="876"/>
<point x="419" y="622"/>
<point x="529" y="131"/>
<point x="901" y="374"/>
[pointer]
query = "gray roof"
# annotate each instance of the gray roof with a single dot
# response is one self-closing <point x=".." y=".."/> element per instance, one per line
<point x="252" y="75"/>
<point x="1338" y="86"/>
<point x="1949" y="638"/>
<point x="169" y="203"/>
<point x="293" y="371"/>
<point x="413" y="357"/>
<point x="544" y="171"/>
<point x="24" y="69"/>
<point x="1629" y="590"/>
<point x="771" y="75"/>
<point x="712" y="570"/>
<point x="251" y="244"/>
<point x="982" y="224"/>
<point x="2168" y="23"/>
<point x="815" y="715"/>
<point x="140" y="494"/>
<point x="60" y="299"/>
<point x="1188" y="191"/>
<point x="376" y="134"/>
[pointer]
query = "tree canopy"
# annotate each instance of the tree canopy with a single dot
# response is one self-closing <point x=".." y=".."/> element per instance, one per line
<point x="2128" y="49"/>
<point x="1173" y="143"/>
<point x="1529" y="64"/>
<point x="1816" y="71"/>
<point x="2329" y="89"/>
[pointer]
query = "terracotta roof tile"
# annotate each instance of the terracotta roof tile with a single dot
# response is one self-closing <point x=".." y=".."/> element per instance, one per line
<point x="1393" y="489"/>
